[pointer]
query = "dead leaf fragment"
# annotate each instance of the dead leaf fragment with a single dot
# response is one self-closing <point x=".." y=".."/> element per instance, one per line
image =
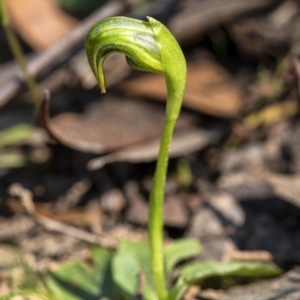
<point x="209" y="89"/>
<point x="107" y="125"/>
<point x="184" y="142"/>
<point x="285" y="186"/>
<point x="258" y="255"/>
<point x="41" y="23"/>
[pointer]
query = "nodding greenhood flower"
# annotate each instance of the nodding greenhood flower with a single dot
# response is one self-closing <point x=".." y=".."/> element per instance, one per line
<point x="148" y="46"/>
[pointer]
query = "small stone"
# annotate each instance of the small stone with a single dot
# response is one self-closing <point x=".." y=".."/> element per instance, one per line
<point x="228" y="207"/>
<point x="208" y="228"/>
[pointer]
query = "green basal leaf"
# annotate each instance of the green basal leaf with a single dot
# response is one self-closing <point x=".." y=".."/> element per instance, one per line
<point x="197" y="272"/>
<point x="202" y="270"/>
<point x="130" y="264"/>
<point x="180" y="250"/>
<point x="78" y="281"/>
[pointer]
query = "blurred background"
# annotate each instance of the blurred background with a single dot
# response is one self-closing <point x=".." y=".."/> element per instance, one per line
<point x="84" y="160"/>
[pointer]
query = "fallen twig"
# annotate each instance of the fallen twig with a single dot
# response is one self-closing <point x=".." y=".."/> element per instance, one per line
<point x="200" y="16"/>
<point x="59" y="52"/>
<point x="25" y="196"/>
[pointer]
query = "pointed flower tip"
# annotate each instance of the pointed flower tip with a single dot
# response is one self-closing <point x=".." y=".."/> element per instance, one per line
<point x="101" y="82"/>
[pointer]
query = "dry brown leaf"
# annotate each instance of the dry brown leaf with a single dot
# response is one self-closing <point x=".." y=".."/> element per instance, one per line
<point x="108" y="125"/>
<point x="257" y="255"/>
<point x="41" y="23"/>
<point x="75" y="216"/>
<point x="210" y="89"/>
<point x="184" y="142"/>
<point x="285" y="186"/>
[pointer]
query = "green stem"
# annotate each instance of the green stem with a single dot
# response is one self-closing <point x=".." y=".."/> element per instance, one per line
<point x="19" y="57"/>
<point x="156" y="212"/>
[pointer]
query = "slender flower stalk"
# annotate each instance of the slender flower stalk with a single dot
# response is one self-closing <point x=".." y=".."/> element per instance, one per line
<point x="148" y="46"/>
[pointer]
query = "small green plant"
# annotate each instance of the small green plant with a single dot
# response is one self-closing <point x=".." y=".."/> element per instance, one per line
<point x="140" y="268"/>
<point x="148" y="46"/>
